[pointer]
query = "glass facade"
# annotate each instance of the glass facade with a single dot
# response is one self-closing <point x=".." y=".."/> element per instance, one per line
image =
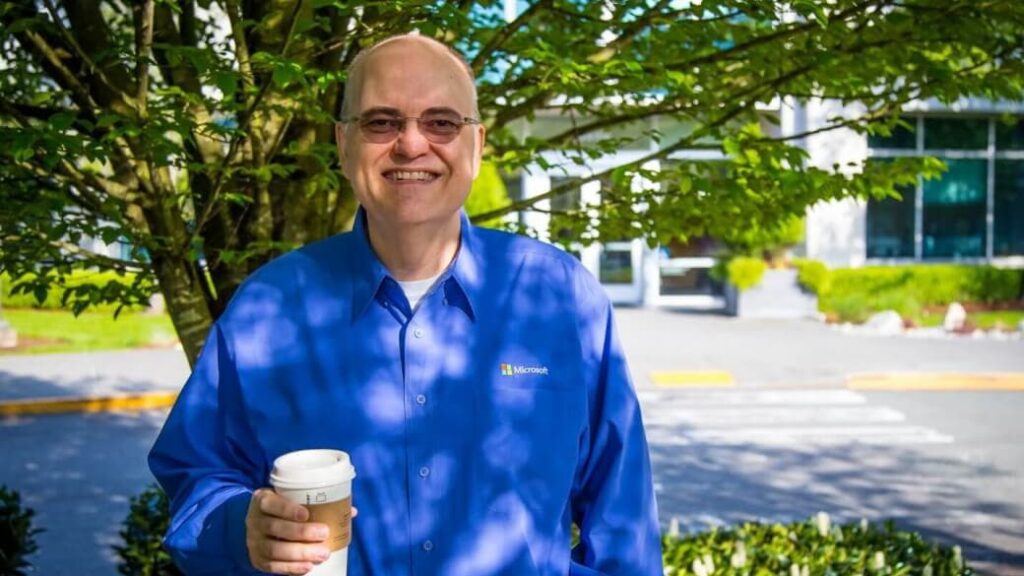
<point x="890" y="226"/>
<point x="974" y="210"/>
<point x="954" y="211"/>
<point x="1009" y="210"/>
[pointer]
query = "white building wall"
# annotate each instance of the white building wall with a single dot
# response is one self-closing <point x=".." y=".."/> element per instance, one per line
<point x="836" y="231"/>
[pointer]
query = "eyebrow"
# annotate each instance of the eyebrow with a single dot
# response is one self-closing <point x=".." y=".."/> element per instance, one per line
<point x="396" y="112"/>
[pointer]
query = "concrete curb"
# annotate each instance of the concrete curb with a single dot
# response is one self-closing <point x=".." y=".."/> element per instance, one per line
<point x="922" y="381"/>
<point x="143" y="401"/>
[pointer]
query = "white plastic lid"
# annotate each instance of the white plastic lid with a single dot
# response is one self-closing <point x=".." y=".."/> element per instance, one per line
<point x="311" y="469"/>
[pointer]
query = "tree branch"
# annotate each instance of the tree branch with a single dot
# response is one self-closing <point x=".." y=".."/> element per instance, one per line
<point x="505" y="32"/>
<point x="144" y="44"/>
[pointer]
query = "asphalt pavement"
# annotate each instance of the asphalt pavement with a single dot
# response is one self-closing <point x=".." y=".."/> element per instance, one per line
<point x="787" y="438"/>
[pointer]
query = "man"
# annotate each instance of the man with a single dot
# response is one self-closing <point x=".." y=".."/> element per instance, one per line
<point x="474" y="377"/>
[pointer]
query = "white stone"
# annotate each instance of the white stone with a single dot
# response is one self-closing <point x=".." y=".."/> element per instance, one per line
<point x="955" y="317"/>
<point x="887" y="322"/>
<point x="157" y="305"/>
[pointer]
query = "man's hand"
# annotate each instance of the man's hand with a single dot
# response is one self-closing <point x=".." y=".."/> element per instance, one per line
<point x="279" y="538"/>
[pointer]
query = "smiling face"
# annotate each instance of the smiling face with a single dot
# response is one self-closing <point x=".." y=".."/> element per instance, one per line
<point x="410" y="181"/>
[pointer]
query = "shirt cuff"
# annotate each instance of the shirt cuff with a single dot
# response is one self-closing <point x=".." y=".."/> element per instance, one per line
<point x="235" y="510"/>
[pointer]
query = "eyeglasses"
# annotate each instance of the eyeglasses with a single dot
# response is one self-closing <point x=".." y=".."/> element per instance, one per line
<point x="380" y="128"/>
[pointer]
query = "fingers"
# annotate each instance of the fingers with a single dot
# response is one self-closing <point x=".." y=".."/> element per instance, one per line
<point x="277" y="542"/>
<point x="274" y="504"/>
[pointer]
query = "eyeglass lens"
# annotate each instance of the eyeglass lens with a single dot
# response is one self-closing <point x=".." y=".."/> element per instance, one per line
<point x="438" y="128"/>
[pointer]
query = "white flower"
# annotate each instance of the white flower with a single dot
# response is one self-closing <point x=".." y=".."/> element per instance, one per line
<point x="958" y="557"/>
<point x="673" y="527"/>
<point x="824" y="523"/>
<point x="878" y="562"/>
<point x="805" y="570"/>
<point x="837" y="534"/>
<point x="927" y="571"/>
<point x="709" y="563"/>
<point x="794" y="570"/>
<point x="698" y="568"/>
<point x="739" y="557"/>
<point x="864" y="524"/>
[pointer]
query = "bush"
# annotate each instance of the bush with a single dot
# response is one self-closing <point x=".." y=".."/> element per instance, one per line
<point x="143" y="552"/>
<point x="811" y="547"/>
<point x="745" y="272"/>
<point x="17" y="536"/>
<point x="813" y="276"/>
<point x="855" y="293"/>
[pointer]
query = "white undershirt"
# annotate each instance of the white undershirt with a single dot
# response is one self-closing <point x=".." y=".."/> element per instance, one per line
<point x="415" y="290"/>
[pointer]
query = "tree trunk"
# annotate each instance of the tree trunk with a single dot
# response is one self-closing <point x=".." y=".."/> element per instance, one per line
<point x="185" y="303"/>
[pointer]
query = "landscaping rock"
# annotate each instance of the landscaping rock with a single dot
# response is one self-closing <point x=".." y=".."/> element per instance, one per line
<point x="888" y="322"/>
<point x="955" y="317"/>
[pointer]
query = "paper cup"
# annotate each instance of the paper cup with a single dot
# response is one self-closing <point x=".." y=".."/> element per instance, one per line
<point x="321" y="480"/>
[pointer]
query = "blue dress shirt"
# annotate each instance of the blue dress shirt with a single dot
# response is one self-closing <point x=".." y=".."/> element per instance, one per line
<point x="481" y="425"/>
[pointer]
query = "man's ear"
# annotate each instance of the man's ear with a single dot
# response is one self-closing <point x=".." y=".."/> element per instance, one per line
<point x="339" y="137"/>
<point x="478" y="149"/>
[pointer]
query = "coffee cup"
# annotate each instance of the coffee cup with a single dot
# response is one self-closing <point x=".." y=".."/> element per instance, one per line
<point x="321" y="480"/>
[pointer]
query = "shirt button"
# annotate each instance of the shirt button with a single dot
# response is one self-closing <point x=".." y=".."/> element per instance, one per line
<point x="418" y="333"/>
<point x="424" y="472"/>
<point x="428" y="545"/>
<point x="421" y="399"/>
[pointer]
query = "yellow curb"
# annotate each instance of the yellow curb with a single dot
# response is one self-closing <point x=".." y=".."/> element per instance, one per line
<point x="146" y="401"/>
<point x="910" y="381"/>
<point x="706" y="378"/>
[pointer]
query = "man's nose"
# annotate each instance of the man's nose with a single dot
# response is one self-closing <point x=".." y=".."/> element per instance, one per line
<point x="411" y="142"/>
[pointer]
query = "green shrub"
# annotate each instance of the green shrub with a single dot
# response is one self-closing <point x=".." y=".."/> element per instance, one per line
<point x="813" y="276"/>
<point x="143" y="552"/>
<point x="751" y="548"/>
<point x="99" y="289"/>
<point x="745" y="272"/>
<point x="813" y="547"/>
<point x="17" y="536"/>
<point x="854" y="294"/>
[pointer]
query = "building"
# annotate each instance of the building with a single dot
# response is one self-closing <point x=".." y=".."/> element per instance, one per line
<point x="973" y="214"/>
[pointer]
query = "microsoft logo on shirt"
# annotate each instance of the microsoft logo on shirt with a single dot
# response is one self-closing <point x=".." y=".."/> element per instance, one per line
<point x="515" y="370"/>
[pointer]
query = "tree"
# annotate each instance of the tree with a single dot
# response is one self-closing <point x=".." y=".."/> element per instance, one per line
<point x="200" y="131"/>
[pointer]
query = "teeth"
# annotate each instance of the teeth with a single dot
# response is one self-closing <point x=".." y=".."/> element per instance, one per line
<point x="406" y="175"/>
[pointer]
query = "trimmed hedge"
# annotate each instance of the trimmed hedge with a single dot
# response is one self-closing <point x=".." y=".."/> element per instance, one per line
<point x="853" y="294"/>
<point x="814" y="547"/>
<point x="17" y="536"/>
<point x="799" y="549"/>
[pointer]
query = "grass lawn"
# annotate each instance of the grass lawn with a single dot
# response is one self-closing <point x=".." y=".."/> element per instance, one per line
<point x="51" y="331"/>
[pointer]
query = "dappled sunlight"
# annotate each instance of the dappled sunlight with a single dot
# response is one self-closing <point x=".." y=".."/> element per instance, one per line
<point x="706" y="484"/>
<point x="78" y="471"/>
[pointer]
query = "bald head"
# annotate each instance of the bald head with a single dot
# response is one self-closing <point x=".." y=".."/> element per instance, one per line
<point x="378" y="54"/>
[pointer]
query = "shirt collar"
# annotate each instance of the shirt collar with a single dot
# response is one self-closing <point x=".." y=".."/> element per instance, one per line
<point x="461" y="282"/>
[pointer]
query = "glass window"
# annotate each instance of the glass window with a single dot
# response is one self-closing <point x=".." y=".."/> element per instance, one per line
<point x="955" y="133"/>
<point x="890" y="226"/>
<point x="565" y="202"/>
<point x="616" y="266"/>
<point x="1010" y="136"/>
<point x="1009" y="208"/>
<point x="902" y="138"/>
<point x="954" y="211"/>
